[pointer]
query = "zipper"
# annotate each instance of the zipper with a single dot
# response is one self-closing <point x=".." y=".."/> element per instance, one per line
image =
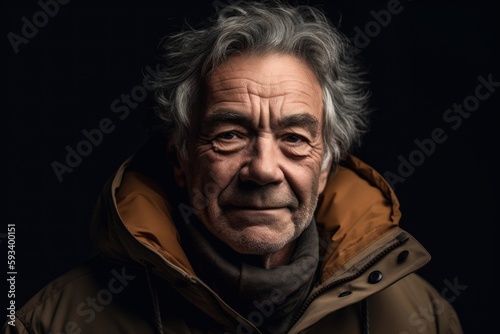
<point x="396" y="242"/>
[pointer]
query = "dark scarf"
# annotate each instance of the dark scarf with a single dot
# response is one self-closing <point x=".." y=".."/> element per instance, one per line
<point x="269" y="298"/>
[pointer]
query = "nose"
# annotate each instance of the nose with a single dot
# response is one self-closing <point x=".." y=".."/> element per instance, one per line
<point x="263" y="165"/>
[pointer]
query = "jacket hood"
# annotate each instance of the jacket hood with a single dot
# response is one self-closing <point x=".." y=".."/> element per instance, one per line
<point x="356" y="208"/>
<point x="134" y="216"/>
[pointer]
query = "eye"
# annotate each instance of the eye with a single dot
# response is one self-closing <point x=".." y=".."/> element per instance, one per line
<point x="294" y="145"/>
<point x="227" y="135"/>
<point x="229" y="141"/>
<point x="294" y="138"/>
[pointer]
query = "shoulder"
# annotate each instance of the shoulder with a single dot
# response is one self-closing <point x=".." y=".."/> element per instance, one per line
<point x="84" y="297"/>
<point x="416" y="306"/>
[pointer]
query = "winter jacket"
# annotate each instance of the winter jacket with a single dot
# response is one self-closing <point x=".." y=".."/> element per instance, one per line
<point x="142" y="282"/>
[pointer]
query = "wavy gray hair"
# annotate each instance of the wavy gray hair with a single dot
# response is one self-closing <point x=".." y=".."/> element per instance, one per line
<point x="263" y="27"/>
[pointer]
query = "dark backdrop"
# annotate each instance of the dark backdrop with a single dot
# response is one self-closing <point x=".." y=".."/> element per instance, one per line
<point x="64" y="74"/>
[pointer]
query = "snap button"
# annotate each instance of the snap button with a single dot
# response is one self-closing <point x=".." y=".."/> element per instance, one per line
<point x="345" y="293"/>
<point x="402" y="256"/>
<point x="375" y="277"/>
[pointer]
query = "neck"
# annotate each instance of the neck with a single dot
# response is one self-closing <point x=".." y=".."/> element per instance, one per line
<point x="281" y="257"/>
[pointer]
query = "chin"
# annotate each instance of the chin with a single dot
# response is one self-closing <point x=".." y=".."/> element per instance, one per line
<point x="254" y="241"/>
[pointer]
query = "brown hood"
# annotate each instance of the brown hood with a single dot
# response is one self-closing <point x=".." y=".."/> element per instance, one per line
<point x="357" y="207"/>
<point x="133" y="218"/>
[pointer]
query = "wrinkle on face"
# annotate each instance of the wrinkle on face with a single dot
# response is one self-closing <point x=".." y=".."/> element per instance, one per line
<point x="260" y="147"/>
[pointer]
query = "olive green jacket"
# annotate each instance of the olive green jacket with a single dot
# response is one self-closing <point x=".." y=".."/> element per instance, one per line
<point x="141" y="281"/>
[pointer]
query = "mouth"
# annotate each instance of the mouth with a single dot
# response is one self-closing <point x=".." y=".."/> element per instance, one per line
<point x="256" y="215"/>
<point x="256" y="207"/>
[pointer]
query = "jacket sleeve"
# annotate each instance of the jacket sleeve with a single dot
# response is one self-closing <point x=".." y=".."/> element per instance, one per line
<point x="434" y="310"/>
<point x="446" y="319"/>
<point x="14" y="327"/>
<point x="411" y="306"/>
<point x="450" y="320"/>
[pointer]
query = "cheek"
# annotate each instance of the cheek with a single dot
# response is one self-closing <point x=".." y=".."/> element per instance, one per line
<point x="304" y="181"/>
<point x="210" y="175"/>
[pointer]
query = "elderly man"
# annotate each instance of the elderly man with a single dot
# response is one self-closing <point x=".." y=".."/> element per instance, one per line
<point x="246" y="212"/>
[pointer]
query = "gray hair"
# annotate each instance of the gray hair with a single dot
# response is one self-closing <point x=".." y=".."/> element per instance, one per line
<point x="264" y="27"/>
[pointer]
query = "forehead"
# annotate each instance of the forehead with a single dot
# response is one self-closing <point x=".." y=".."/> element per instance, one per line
<point x="265" y="76"/>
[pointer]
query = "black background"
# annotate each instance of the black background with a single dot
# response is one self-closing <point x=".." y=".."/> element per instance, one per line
<point x="429" y="57"/>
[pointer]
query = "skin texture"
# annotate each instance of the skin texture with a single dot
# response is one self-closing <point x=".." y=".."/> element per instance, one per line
<point x="253" y="173"/>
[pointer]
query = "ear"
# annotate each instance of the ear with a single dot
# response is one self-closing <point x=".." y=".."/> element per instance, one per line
<point x="177" y="165"/>
<point x="323" y="177"/>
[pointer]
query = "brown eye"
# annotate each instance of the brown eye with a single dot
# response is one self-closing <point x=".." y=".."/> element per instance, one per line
<point x="295" y="146"/>
<point x="293" y="138"/>
<point x="229" y="141"/>
<point x="227" y="136"/>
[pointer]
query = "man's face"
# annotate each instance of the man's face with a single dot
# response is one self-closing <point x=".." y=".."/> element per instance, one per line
<point x="253" y="173"/>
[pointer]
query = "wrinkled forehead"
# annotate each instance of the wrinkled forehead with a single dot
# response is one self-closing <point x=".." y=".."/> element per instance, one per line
<point x="272" y="76"/>
<point x="270" y="68"/>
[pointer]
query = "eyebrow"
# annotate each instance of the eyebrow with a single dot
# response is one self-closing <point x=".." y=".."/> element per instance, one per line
<point x="302" y="120"/>
<point x="226" y="116"/>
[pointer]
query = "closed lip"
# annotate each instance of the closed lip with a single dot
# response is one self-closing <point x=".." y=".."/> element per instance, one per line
<point x="254" y="207"/>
